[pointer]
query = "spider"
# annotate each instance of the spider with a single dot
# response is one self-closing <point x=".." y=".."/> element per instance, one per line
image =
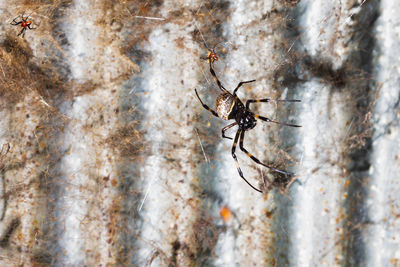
<point x="229" y="107"/>
<point x="211" y="57"/>
<point x="25" y="24"/>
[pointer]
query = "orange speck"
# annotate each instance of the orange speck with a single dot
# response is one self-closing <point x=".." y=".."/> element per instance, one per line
<point x="225" y="213"/>
<point x="347" y="183"/>
<point x="20" y="236"/>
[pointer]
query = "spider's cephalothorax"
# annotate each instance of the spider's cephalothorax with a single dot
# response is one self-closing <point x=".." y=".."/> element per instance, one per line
<point x="246" y="120"/>
<point x="25" y="24"/>
<point x="229" y="107"/>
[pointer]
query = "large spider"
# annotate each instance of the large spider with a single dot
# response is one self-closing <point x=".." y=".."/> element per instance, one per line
<point x="230" y="107"/>
<point x="25" y="24"/>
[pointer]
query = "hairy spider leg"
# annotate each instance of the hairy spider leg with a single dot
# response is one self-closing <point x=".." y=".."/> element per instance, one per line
<point x="277" y="122"/>
<point x="216" y="78"/>
<point x="226" y="128"/>
<point x="22" y="32"/>
<point x="257" y="160"/>
<point x="31" y="28"/>
<point x="237" y="162"/>
<point x="205" y="106"/>
<point x="240" y="84"/>
<point x="248" y="102"/>
<point x="15" y="22"/>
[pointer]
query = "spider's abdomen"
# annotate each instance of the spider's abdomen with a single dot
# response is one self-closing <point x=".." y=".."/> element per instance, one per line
<point x="224" y="105"/>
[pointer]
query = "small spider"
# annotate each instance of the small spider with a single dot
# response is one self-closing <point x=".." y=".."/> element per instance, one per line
<point x="25" y="24"/>
<point x="230" y="107"/>
<point x="211" y="56"/>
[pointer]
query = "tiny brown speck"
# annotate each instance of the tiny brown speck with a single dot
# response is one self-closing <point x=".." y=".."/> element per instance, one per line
<point x="269" y="214"/>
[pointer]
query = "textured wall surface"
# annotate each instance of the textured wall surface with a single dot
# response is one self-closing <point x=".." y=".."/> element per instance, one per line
<point x="109" y="159"/>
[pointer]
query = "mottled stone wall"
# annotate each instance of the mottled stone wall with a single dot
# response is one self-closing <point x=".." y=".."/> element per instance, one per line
<point x="109" y="159"/>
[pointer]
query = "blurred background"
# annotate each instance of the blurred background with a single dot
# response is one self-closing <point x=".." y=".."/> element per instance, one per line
<point x="109" y="159"/>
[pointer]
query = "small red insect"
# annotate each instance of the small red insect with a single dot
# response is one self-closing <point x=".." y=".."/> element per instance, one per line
<point x="25" y="24"/>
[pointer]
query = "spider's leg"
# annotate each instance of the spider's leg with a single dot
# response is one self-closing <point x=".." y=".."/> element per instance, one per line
<point x="205" y="106"/>
<point x="240" y="84"/>
<point x="256" y="160"/>
<point x="277" y="122"/>
<point x="29" y="26"/>
<point x="226" y="128"/>
<point x="248" y="102"/>
<point x="15" y="22"/>
<point x="237" y="162"/>
<point x="216" y="78"/>
<point x="22" y="32"/>
<point x="284" y="191"/>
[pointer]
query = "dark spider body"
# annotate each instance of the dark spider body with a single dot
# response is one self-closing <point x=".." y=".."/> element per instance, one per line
<point x="25" y="24"/>
<point x="229" y="107"/>
<point x="224" y="105"/>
